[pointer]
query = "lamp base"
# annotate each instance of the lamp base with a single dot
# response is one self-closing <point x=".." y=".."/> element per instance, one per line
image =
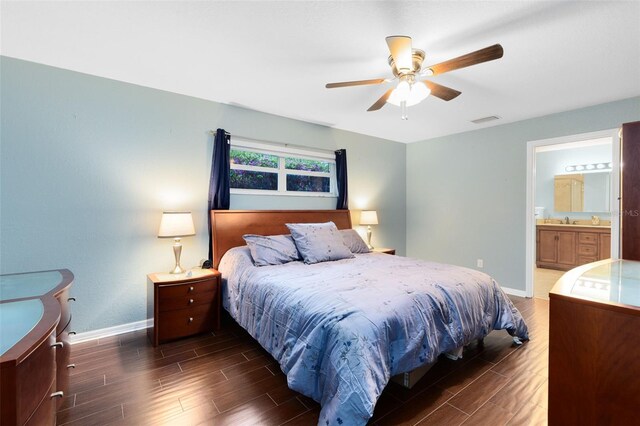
<point x="178" y="270"/>
<point x="177" y="251"/>
<point x="369" y="237"/>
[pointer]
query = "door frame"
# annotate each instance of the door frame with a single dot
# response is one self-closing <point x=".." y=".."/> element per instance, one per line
<point x="530" y="250"/>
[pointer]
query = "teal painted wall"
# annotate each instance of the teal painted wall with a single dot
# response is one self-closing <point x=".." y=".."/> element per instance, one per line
<point x="88" y="165"/>
<point x="466" y="193"/>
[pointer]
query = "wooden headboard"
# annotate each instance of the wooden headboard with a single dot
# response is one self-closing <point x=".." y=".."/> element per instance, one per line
<point x="228" y="226"/>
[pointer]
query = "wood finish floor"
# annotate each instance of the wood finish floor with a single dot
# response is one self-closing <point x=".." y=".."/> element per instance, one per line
<point x="227" y="378"/>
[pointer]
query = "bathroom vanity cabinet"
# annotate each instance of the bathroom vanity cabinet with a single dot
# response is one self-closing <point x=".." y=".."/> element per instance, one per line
<point x="564" y="247"/>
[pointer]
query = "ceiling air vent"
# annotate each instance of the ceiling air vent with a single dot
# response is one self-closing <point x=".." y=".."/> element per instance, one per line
<point x="485" y="119"/>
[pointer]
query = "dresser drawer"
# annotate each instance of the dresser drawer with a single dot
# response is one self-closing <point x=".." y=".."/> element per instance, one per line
<point x="35" y="375"/>
<point x="588" y="250"/>
<point x="65" y="313"/>
<point x="170" y="291"/>
<point x="45" y="414"/>
<point x="183" y="302"/>
<point x="185" y="322"/>
<point x="63" y="355"/>
<point x="587" y="238"/>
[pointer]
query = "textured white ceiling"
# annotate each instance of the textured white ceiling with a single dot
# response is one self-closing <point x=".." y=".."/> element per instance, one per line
<point x="277" y="56"/>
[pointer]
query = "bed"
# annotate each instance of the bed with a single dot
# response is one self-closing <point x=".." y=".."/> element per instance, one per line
<point x="341" y="329"/>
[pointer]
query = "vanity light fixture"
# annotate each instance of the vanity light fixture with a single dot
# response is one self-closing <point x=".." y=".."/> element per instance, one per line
<point x="589" y="167"/>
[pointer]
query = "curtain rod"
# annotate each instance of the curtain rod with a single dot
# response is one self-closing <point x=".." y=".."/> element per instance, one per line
<point x="213" y="132"/>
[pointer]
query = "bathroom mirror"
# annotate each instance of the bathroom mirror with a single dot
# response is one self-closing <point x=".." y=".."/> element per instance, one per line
<point x="582" y="192"/>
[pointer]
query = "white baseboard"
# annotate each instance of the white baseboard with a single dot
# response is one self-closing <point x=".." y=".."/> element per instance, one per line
<point x="514" y="292"/>
<point x="110" y="331"/>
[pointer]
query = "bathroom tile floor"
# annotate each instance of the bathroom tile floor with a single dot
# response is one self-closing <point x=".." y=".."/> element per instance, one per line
<point x="543" y="281"/>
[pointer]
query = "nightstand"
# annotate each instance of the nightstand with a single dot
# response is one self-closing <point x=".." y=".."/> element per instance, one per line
<point x="384" y="250"/>
<point x="183" y="304"/>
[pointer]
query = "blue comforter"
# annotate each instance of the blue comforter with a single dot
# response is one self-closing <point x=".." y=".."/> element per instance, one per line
<point x="341" y="329"/>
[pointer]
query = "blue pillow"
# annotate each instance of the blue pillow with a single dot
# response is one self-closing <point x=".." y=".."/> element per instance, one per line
<point x="271" y="250"/>
<point x="319" y="242"/>
<point x="354" y="241"/>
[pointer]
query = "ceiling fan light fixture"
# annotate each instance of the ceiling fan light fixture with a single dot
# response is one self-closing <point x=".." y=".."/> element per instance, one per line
<point x="411" y="94"/>
<point x="419" y="92"/>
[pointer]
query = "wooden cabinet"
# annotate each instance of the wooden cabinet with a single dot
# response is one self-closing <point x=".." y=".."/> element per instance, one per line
<point x="34" y="352"/>
<point x="630" y="192"/>
<point x="569" y="193"/>
<point x="183" y="305"/>
<point x="564" y="247"/>
<point x="594" y="357"/>
<point x="557" y="248"/>
<point x="604" y="246"/>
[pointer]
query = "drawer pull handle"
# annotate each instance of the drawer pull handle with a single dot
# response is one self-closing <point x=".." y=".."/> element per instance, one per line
<point x="190" y="319"/>
<point x="72" y="333"/>
<point x="58" y="394"/>
<point x="190" y="301"/>
<point x="71" y="366"/>
<point x="191" y="288"/>
<point x="71" y="299"/>
<point x="58" y="345"/>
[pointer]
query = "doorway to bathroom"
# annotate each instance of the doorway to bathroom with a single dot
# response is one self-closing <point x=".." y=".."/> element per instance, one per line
<point x="572" y="205"/>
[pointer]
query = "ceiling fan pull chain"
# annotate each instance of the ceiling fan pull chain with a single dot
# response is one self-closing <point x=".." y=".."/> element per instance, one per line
<point x="403" y="110"/>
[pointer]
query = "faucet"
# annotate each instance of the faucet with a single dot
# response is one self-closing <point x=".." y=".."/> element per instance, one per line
<point x="566" y="220"/>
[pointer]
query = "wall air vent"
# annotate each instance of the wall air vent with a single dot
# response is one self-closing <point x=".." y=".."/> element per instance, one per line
<point x="485" y="119"/>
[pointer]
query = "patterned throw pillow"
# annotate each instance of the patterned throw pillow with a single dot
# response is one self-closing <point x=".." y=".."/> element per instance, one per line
<point x="354" y="241"/>
<point x="271" y="250"/>
<point x="319" y="242"/>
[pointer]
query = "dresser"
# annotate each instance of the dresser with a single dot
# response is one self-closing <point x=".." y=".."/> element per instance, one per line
<point x="182" y="305"/>
<point x="594" y="356"/>
<point x="34" y="350"/>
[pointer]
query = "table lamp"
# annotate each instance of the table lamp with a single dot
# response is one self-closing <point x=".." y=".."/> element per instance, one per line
<point x="369" y="217"/>
<point x="176" y="225"/>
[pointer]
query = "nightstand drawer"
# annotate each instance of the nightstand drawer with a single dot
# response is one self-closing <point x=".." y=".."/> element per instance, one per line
<point x="185" y="322"/>
<point x="170" y="291"/>
<point x="193" y="299"/>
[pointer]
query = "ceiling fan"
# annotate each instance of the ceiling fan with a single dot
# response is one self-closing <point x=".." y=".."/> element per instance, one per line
<point x="406" y="65"/>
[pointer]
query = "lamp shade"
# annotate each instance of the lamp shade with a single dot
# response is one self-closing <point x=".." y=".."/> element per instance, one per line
<point x="368" y="217"/>
<point x="176" y="224"/>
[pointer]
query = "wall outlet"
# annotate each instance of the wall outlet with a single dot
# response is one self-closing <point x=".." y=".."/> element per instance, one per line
<point x="480" y="263"/>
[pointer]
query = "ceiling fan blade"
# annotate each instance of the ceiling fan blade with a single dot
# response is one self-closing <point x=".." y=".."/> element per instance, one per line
<point x="483" y="55"/>
<point x="355" y="83"/>
<point x="443" y="92"/>
<point x="380" y="102"/>
<point x="400" y="48"/>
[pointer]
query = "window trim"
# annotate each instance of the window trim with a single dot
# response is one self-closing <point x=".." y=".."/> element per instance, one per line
<point x="283" y="152"/>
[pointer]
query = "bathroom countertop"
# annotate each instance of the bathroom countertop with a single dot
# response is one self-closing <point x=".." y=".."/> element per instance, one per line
<point x="575" y="226"/>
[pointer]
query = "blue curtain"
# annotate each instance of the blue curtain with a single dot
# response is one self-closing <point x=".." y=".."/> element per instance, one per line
<point x="219" y="193"/>
<point x="341" y="176"/>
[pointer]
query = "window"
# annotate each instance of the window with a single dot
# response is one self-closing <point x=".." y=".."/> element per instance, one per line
<point x="260" y="168"/>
